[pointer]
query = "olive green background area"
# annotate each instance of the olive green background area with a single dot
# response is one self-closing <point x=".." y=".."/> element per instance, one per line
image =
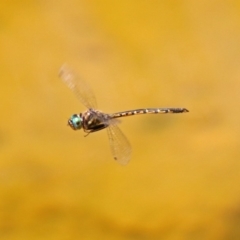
<point x="183" y="178"/>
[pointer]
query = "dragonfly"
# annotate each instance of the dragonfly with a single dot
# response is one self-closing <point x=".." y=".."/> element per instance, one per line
<point x="93" y="120"/>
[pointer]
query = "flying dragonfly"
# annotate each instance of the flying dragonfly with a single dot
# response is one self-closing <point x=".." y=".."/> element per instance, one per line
<point x="93" y="120"/>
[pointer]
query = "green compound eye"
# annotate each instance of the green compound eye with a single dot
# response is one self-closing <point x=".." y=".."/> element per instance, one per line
<point x="75" y="122"/>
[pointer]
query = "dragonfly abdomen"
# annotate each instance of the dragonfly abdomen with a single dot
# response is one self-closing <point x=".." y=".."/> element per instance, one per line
<point x="148" y="111"/>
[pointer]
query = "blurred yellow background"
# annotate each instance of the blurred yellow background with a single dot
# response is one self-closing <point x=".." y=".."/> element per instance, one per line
<point x="183" y="179"/>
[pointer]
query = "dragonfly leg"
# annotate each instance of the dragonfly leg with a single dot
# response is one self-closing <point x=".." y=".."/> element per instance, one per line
<point x="95" y="129"/>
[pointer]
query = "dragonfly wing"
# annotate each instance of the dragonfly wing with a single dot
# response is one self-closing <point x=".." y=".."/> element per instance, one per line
<point x="120" y="147"/>
<point x="78" y="86"/>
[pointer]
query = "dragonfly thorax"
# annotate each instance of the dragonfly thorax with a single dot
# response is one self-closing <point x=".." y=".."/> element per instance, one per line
<point x="94" y="120"/>
<point x="75" y="121"/>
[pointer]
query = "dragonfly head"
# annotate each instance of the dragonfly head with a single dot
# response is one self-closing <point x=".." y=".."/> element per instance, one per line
<point x="75" y="121"/>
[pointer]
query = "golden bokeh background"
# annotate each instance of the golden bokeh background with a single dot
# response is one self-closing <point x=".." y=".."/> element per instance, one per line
<point x="184" y="176"/>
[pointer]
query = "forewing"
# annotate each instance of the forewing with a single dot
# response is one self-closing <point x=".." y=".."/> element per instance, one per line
<point x="78" y="86"/>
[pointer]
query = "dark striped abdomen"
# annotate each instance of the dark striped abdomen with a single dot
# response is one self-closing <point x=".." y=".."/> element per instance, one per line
<point x="148" y="111"/>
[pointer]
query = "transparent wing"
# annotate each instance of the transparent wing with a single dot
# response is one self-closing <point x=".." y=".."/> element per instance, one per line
<point x="120" y="147"/>
<point x="78" y="86"/>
